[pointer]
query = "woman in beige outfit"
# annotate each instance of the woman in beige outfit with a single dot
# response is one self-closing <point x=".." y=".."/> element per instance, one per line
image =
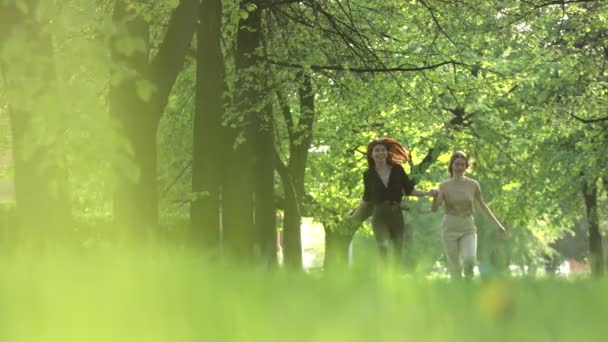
<point x="459" y="234"/>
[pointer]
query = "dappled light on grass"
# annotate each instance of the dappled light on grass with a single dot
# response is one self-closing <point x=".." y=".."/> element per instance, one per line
<point x="156" y="296"/>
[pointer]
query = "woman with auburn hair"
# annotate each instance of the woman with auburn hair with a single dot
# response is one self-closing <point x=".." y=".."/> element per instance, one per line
<point x="385" y="182"/>
<point x="459" y="234"/>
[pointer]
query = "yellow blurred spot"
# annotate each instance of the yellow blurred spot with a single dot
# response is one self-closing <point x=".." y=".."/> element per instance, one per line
<point x="444" y="158"/>
<point x="496" y="300"/>
<point x="511" y="186"/>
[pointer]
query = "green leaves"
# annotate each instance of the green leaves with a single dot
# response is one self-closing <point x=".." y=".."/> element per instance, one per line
<point x="250" y="7"/>
<point x="145" y="89"/>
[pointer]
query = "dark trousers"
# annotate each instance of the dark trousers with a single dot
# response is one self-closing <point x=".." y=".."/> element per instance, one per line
<point x="389" y="229"/>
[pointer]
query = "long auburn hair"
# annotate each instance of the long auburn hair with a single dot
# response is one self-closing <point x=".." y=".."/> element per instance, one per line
<point x="397" y="154"/>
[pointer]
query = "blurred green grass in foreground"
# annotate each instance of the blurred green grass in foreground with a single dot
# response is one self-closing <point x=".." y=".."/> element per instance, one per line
<point x="160" y="296"/>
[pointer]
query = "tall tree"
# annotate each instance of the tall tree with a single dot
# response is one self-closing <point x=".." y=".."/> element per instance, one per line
<point x="208" y="142"/>
<point x="264" y="193"/>
<point x="28" y="71"/>
<point x="293" y="171"/>
<point x="238" y="184"/>
<point x="138" y="101"/>
<point x="596" y="253"/>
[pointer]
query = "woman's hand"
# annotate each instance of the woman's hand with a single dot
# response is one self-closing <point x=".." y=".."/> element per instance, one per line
<point x="502" y="232"/>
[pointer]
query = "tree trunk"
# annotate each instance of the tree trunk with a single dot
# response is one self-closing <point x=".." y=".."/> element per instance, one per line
<point x="136" y="196"/>
<point x="265" y="208"/>
<point x="337" y="244"/>
<point x="293" y="179"/>
<point x="263" y="127"/>
<point x="206" y="156"/>
<point x="596" y="255"/>
<point x="605" y="240"/>
<point x="41" y="183"/>
<point x="292" y="240"/>
<point x="238" y="230"/>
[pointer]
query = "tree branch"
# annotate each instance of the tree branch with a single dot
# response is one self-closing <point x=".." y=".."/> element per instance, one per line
<point x="273" y="3"/>
<point x="302" y="136"/>
<point x="186" y="167"/>
<point x="280" y="166"/>
<point x="428" y="160"/>
<point x="587" y="121"/>
<point x="286" y="111"/>
<point x="367" y="70"/>
<point x="440" y="27"/>
<point x="557" y="2"/>
<point x="167" y="63"/>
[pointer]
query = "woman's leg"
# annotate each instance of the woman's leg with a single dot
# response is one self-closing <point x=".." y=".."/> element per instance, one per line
<point x="468" y="250"/>
<point x="452" y="253"/>
<point x="381" y="234"/>
<point x="396" y="227"/>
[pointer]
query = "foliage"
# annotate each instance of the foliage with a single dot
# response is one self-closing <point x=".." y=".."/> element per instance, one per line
<point x="520" y="86"/>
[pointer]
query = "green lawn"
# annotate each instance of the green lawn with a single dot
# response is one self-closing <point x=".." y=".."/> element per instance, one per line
<point x="178" y="298"/>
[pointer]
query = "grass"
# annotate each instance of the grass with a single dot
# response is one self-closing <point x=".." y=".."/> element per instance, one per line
<point x="158" y="296"/>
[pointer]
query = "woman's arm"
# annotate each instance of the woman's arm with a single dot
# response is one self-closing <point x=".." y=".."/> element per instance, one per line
<point x="421" y="193"/>
<point x="409" y="186"/>
<point x="486" y="210"/>
<point x="437" y="201"/>
<point x="360" y="213"/>
<point x="409" y="190"/>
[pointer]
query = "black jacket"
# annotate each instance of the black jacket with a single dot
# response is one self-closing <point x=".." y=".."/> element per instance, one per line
<point x="398" y="185"/>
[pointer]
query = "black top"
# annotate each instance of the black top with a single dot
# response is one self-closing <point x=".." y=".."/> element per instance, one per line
<point x="398" y="185"/>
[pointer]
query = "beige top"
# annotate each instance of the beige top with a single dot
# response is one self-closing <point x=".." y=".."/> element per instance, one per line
<point x="458" y="196"/>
